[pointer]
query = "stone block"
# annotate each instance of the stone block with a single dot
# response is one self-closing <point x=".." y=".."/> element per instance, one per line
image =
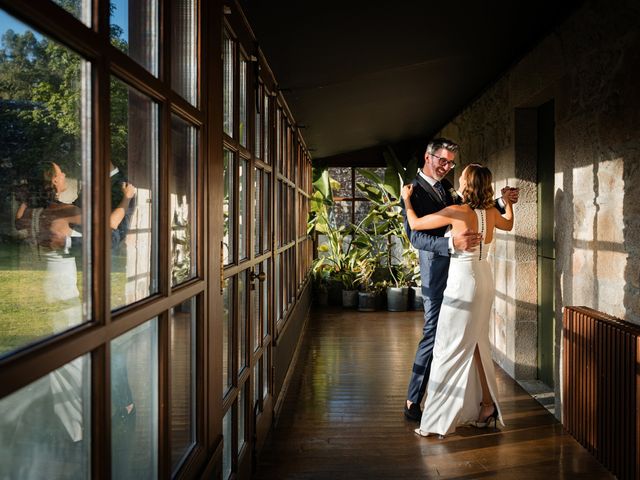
<point x="610" y="265"/>
<point x="584" y="216"/>
<point x="526" y="335"/>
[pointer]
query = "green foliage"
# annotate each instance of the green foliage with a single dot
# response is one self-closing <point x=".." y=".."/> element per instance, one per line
<point x="41" y="89"/>
<point x="376" y="252"/>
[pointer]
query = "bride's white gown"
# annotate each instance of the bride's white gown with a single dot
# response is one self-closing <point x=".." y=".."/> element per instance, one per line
<point x="454" y="392"/>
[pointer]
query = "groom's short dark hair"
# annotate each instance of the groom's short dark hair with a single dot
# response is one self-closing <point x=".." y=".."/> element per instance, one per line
<point x="441" y="142"/>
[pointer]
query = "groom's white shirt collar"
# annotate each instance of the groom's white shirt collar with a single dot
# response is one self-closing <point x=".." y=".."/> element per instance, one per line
<point x="427" y="177"/>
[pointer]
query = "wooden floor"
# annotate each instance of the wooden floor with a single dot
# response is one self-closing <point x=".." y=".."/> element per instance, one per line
<point x="342" y="415"/>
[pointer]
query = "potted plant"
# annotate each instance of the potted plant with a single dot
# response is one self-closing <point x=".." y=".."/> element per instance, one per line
<point x="386" y="221"/>
<point x="348" y="276"/>
<point x="320" y="278"/>
<point x="367" y="296"/>
<point x="412" y="263"/>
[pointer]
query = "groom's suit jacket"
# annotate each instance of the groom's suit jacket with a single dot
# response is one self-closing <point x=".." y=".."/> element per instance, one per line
<point x="432" y="246"/>
<point x="425" y="200"/>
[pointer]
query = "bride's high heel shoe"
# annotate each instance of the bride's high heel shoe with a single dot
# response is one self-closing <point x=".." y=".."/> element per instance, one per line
<point x="493" y="416"/>
<point x="422" y="433"/>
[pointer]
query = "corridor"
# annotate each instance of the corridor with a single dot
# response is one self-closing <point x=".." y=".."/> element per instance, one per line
<point x="342" y="415"/>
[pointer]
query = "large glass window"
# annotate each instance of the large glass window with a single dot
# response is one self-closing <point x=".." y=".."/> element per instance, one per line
<point x="45" y="145"/>
<point x="45" y="427"/>
<point x="135" y="30"/>
<point x="134" y="195"/>
<point x="134" y="403"/>
<point x="182" y="187"/>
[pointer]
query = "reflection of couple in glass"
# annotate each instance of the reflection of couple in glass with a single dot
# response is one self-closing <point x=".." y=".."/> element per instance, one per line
<point x="453" y="363"/>
<point x="53" y="226"/>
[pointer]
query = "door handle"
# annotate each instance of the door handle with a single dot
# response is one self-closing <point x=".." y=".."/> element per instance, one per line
<point x="261" y="276"/>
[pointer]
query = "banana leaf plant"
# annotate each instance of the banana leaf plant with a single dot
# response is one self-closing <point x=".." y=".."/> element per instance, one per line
<point x="384" y="221"/>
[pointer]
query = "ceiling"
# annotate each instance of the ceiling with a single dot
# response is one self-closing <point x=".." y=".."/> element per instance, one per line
<point x="364" y="74"/>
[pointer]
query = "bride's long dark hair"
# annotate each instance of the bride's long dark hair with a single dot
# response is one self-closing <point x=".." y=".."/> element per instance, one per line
<point x="478" y="191"/>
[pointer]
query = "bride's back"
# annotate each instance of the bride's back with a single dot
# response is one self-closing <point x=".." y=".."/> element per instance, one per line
<point x="464" y="218"/>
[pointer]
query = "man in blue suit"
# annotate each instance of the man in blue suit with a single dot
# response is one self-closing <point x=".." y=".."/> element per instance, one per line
<point x="431" y="193"/>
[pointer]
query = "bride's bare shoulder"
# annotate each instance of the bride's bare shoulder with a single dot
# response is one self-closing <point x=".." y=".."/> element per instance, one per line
<point x="459" y="211"/>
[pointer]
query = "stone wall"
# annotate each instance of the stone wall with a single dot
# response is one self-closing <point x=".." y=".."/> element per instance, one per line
<point x="590" y="67"/>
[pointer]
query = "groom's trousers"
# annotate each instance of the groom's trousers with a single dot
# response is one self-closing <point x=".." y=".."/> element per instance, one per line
<point x="433" y="273"/>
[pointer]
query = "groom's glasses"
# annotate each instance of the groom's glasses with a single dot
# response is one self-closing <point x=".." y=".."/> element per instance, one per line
<point x="443" y="161"/>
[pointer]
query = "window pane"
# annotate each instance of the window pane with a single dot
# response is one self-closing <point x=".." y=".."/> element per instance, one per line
<point x="257" y="369"/>
<point x="184" y="48"/>
<point x="362" y="208"/>
<point x="242" y="321"/>
<point x="134" y="403"/>
<point x="228" y="208"/>
<point x="242" y="208"/>
<point x="182" y="351"/>
<point x="266" y="213"/>
<point x="45" y="427"/>
<point x="81" y="9"/>
<point x="242" y="400"/>
<point x="258" y="123"/>
<point x="278" y="289"/>
<point x="341" y="213"/>
<point x="45" y="152"/>
<point x="256" y="324"/>
<point x="243" y="102"/>
<point x="182" y="184"/>
<point x="264" y="294"/>
<point x="267" y="131"/>
<point x="343" y="177"/>
<point x="227" y="452"/>
<point x="227" y="335"/>
<point x="265" y="372"/>
<point x="257" y="221"/>
<point x="228" y="66"/>
<point x="134" y="187"/>
<point x="135" y="30"/>
<point x="278" y="137"/>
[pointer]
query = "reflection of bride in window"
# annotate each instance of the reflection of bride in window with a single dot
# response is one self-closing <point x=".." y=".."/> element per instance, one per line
<point x="50" y="226"/>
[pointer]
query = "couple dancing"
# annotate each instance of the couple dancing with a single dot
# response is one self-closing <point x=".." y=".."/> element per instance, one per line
<point x="453" y="361"/>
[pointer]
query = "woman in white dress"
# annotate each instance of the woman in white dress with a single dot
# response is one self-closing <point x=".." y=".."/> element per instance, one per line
<point x="462" y="386"/>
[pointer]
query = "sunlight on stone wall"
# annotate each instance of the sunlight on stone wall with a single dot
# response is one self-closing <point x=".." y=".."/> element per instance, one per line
<point x="599" y="257"/>
<point x="610" y="255"/>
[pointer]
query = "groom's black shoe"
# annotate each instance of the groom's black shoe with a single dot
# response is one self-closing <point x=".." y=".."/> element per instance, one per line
<point x="413" y="412"/>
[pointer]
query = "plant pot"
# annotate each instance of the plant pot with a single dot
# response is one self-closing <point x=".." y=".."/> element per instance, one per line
<point x="397" y="299"/>
<point x="335" y="293"/>
<point x="349" y="298"/>
<point x="416" y="300"/>
<point x="367" y="301"/>
<point x="322" y="298"/>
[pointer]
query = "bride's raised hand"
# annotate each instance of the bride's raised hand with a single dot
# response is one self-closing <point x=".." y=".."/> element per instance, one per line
<point x="407" y="190"/>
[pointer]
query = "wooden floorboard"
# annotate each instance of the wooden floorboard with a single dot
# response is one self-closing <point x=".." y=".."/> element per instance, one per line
<point x="342" y="415"/>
